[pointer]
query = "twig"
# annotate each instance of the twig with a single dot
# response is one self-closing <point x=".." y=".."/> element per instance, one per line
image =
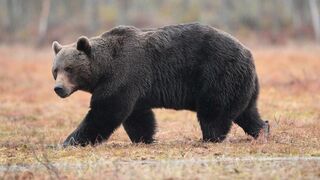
<point x="47" y="164"/>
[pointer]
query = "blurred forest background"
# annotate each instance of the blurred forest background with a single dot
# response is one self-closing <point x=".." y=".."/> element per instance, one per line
<point x="263" y="21"/>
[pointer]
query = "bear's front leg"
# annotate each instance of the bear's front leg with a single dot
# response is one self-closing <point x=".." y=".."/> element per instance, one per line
<point x="103" y="118"/>
<point x="96" y="127"/>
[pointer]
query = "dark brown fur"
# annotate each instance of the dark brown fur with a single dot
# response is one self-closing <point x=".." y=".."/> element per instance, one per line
<point x="130" y="71"/>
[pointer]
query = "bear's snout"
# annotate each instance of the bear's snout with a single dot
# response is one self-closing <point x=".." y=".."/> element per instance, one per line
<point x="63" y="87"/>
<point x="60" y="91"/>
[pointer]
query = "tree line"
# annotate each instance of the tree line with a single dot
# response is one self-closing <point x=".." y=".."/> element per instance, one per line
<point x="40" y="21"/>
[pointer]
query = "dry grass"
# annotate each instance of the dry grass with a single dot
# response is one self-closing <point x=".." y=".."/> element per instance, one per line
<point x="34" y="122"/>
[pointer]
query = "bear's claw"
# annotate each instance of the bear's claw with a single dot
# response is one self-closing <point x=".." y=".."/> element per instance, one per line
<point x="74" y="139"/>
<point x="265" y="131"/>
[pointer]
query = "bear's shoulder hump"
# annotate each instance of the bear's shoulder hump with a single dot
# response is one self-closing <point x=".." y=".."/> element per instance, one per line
<point x="121" y="31"/>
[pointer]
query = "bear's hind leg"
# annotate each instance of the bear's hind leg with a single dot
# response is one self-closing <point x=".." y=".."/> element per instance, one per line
<point x="214" y="129"/>
<point x="140" y="126"/>
<point x="249" y="120"/>
<point x="214" y="122"/>
<point x="251" y="123"/>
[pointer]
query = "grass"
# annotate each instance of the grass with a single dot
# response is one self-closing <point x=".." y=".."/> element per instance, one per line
<point x="34" y="123"/>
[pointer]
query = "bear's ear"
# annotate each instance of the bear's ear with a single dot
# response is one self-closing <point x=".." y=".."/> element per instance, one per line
<point x="56" y="47"/>
<point x="83" y="44"/>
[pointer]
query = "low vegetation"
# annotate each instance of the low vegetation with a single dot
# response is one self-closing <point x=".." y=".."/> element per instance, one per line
<point x="34" y="123"/>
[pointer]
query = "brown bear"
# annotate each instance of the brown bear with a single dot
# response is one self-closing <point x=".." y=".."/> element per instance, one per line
<point x="129" y="71"/>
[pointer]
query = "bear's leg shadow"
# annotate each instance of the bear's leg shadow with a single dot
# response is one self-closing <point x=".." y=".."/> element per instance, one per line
<point x="140" y="126"/>
<point x="214" y="122"/>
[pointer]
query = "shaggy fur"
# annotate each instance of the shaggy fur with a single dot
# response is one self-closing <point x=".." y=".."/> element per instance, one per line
<point x="130" y="71"/>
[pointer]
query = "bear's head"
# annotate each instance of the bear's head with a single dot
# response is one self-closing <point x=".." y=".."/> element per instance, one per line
<point x="71" y="67"/>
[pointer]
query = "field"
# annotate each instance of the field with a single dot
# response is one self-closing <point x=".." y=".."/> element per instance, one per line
<point x="34" y="123"/>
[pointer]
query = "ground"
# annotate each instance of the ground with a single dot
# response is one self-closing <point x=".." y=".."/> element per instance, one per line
<point x="34" y="122"/>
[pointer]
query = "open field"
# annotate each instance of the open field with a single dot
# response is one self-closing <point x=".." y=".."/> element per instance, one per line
<point x="34" y="122"/>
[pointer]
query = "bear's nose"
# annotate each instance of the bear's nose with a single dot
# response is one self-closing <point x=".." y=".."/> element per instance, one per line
<point x="59" y="90"/>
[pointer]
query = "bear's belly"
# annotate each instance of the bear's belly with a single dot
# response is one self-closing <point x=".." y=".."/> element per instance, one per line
<point x="173" y="96"/>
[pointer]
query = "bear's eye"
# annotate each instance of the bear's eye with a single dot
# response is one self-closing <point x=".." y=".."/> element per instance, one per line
<point x="68" y="69"/>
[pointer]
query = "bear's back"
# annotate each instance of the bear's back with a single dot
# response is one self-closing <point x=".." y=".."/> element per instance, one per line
<point x="186" y="58"/>
<point x="192" y="40"/>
